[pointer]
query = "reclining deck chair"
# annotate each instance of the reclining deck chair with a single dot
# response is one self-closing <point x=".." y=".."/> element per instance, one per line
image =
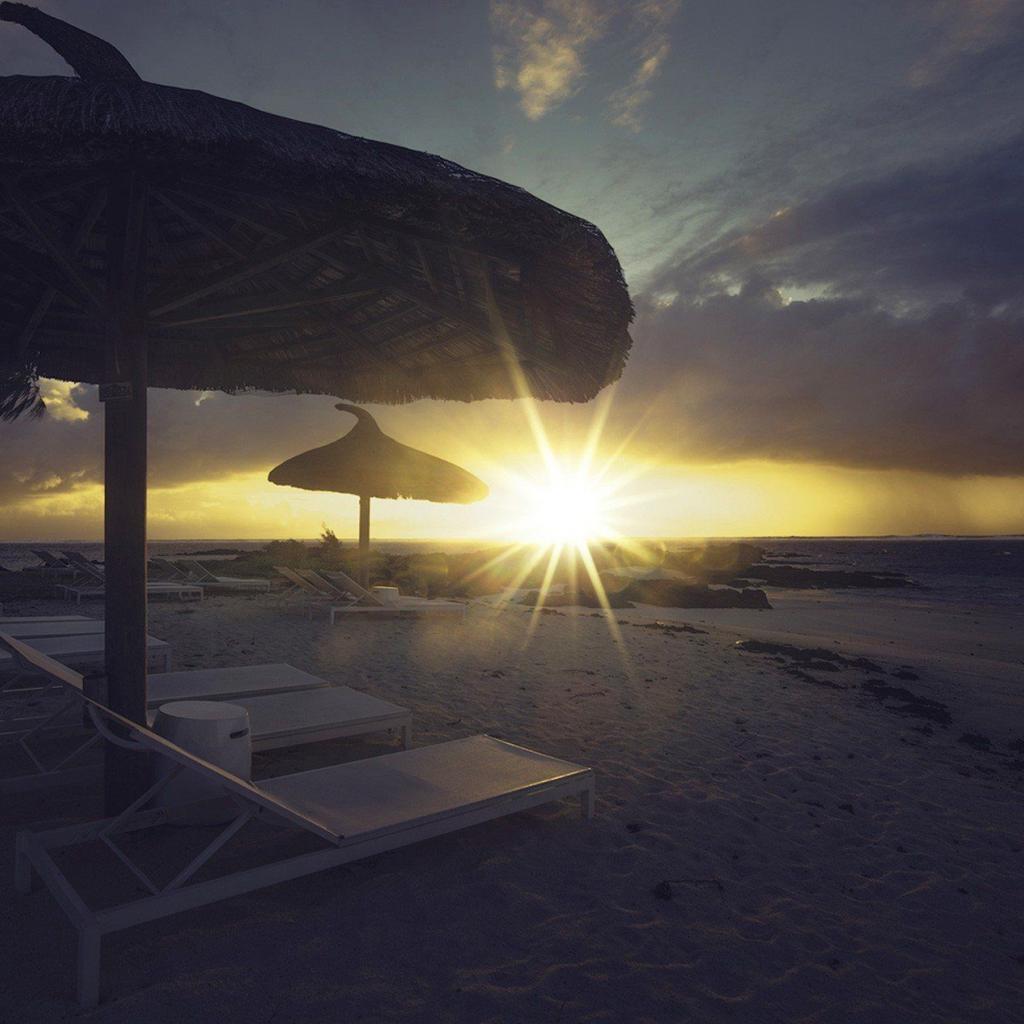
<point x="16" y="620"/>
<point x="312" y="595"/>
<point x="357" y="809"/>
<point x="73" y="625"/>
<point x="52" y="565"/>
<point x="362" y="602"/>
<point x="91" y="582"/>
<point x="203" y="576"/>
<point x="287" y="707"/>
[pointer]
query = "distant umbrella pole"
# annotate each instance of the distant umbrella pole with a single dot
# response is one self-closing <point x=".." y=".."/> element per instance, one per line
<point x="364" y="539"/>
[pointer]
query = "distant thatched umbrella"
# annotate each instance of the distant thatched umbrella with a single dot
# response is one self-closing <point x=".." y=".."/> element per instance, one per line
<point x="151" y="235"/>
<point x="369" y="463"/>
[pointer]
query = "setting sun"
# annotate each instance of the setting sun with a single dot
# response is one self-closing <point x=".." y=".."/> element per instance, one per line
<point x="567" y="511"/>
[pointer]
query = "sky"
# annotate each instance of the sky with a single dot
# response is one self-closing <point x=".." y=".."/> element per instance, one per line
<point x="819" y="210"/>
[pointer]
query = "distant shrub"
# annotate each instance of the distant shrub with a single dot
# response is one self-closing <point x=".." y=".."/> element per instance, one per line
<point x="288" y="552"/>
<point x="330" y="550"/>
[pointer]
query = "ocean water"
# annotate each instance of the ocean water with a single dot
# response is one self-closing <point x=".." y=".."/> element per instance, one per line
<point x="981" y="570"/>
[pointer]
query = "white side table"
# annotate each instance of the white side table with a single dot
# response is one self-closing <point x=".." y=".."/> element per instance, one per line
<point x="217" y="732"/>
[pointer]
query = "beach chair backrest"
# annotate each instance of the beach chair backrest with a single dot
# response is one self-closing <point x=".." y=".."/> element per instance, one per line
<point x="48" y="559"/>
<point x="293" y="577"/>
<point x="79" y="561"/>
<point x="367" y="596"/>
<point x="27" y="655"/>
<point x="324" y="587"/>
<point x="200" y="570"/>
<point x="167" y="567"/>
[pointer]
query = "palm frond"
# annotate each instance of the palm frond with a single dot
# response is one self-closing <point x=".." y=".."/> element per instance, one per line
<point x="19" y="394"/>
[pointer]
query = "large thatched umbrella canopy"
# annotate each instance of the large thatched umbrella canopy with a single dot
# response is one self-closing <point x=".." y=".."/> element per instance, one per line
<point x="370" y="464"/>
<point x="281" y="255"/>
<point x="151" y="235"/>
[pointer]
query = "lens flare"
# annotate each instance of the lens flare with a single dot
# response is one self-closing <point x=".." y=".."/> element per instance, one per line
<point x="566" y="510"/>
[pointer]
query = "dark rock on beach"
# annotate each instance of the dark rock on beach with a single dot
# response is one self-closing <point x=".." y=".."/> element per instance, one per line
<point x="797" y="577"/>
<point x="674" y="594"/>
<point x="808" y="657"/>
<point x="910" y="704"/>
<point x="671" y="627"/>
<point x="662" y="593"/>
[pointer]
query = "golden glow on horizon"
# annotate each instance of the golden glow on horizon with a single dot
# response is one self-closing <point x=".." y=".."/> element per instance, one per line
<point x="749" y="499"/>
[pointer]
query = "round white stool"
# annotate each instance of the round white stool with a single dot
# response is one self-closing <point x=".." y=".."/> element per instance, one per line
<point x="388" y="595"/>
<point x="215" y="731"/>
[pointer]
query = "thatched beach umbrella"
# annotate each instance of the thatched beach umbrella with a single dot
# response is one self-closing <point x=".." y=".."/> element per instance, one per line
<point x="157" y="236"/>
<point x="370" y="464"/>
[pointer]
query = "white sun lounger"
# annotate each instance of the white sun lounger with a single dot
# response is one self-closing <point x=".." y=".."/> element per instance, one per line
<point x="364" y="603"/>
<point x="358" y="810"/>
<point x="404" y="608"/>
<point x="182" y="591"/>
<point x="91" y="583"/>
<point x="52" y="566"/>
<point x="30" y="630"/>
<point x="287" y="707"/>
<point x="205" y="578"/>
<point x="229" y="683"/>
<point x="87" y="649"/>
<point x="312" y="594"/>
<point x="300" y="583"/>
<point x="14" y="620"/>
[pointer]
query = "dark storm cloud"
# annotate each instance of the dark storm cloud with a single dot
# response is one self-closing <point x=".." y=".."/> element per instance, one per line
<point x="193" y="436"/>
<point x="920" y="234"/>
<point x="904" y="344"/>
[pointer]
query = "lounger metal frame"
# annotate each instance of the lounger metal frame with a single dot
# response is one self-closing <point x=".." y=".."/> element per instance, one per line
<point x="57" y="678"/>
<point x="34" y="850"/>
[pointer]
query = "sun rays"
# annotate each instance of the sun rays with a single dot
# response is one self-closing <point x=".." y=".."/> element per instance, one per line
<point x="567" y="503"/>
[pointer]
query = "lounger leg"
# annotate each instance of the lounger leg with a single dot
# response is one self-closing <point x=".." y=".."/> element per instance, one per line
<point x="403" y="734"/>
<point x="587" y="803"/>
<point x="88" y="967"/>
<point x="22" y="869"/>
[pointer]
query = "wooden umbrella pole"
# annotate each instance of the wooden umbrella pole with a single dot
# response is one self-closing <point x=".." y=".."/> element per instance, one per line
<point x="124" y="514"/>
<point x="364" y="540"/>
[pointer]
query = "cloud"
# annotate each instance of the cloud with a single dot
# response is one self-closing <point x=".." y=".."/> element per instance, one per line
<point x="921" y="235"/>
<point x="859" y="134"/>
<point x="541" y="48"/>
<point x="877" y="324"/>
<point x="963" y="29"/>
<point x="59" y="396"/>
<point x="654" y="18"/>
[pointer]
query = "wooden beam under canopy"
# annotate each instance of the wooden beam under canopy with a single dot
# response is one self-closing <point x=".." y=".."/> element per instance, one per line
<point x="85" y="227"/>
<point x="250" y="267"/>
<point x="23" y="261"/>
<point x="260" y="303"/>
<point x="195" y="222"/>
<point x="63" y="258"/>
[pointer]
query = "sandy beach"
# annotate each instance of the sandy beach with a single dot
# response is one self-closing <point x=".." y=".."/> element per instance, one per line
<point x="830" y="852"/>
